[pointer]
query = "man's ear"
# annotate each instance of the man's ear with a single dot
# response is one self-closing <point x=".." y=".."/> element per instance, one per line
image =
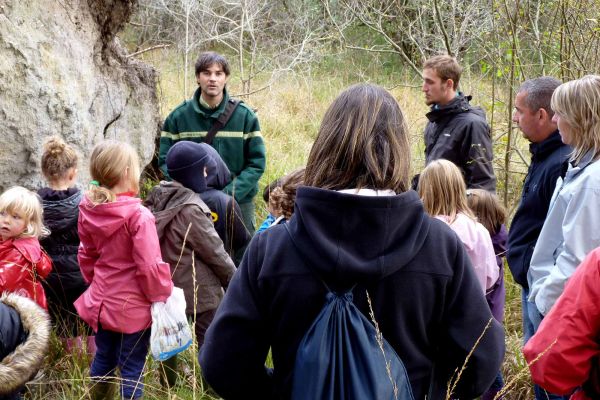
<point x="449" y="84"/>
<point x="543" y="116"/>
<point x="198" y="79"/>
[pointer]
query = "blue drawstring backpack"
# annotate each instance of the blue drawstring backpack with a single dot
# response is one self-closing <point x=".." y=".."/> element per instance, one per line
<point x="342" y="357"/>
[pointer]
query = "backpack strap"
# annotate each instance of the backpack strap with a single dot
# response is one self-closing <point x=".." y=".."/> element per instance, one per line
<point x="222" y="120"/>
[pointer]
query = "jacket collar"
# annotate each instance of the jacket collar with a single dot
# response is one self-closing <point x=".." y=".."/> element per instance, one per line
<point x="457" y="105"/>
<point x="29" y="247"/>
<point x="205" y="111"/>
<point x="543" y="149"/>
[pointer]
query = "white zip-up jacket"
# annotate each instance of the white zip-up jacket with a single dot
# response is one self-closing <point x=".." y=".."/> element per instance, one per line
<point x="571" y="230"/>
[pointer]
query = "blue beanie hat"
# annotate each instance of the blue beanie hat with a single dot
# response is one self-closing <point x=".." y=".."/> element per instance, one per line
<point x="185" y="164"/>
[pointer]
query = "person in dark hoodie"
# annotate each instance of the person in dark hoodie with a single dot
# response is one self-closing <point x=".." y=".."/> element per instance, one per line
<point x="24" y="338"/>
<point x="357" y="223"/>
<point x="189" y="242"/>
<point x="456" y="131"/>
<point x="60" y="200"/>
<point x="225" y="211"/>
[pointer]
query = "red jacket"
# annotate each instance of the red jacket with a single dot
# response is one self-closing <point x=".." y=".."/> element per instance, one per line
<point x="574" y="322"/>
<point x="119" y="256"/>
<point x="22" y="265"/>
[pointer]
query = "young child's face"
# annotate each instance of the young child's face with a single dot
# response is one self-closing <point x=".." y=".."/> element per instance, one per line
<point x="12" y="224"/>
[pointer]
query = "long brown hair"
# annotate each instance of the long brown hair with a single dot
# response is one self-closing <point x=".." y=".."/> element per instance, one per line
<point x="443" y="190"/>
<point x="108" y="163"/>
<point x="362" y="143"/>
<point x="487" y="208"/>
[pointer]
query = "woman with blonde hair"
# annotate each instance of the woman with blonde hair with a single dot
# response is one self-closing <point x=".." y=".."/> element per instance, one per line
<point x="444" y="193"/>
<point x="569" y="233"/>
<point x="356" y="226"/>
<point x="570" y="230"/>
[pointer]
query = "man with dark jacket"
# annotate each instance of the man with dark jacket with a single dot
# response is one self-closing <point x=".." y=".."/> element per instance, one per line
<point x="239" y="142"/>
<point x="548" y="157"/>
<point x="456" y="131"/>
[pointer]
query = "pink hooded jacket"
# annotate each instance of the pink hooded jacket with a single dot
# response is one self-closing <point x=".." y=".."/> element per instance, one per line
<point x="479" y="247"/>
<point x="119" y="256"/>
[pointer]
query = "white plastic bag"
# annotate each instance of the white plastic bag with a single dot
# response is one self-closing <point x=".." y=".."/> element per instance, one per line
<point x="170" y="333"/>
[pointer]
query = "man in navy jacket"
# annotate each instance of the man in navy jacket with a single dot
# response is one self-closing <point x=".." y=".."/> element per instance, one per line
<point x="548" y="157"/>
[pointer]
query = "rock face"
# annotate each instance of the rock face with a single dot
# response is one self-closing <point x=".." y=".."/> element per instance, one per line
<point x="63" y="72"/>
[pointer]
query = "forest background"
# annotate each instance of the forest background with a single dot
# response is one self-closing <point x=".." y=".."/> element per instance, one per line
<point x="291" y="58"/>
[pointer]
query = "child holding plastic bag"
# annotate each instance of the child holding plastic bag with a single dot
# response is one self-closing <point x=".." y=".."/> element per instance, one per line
<point x="119" y="256"/>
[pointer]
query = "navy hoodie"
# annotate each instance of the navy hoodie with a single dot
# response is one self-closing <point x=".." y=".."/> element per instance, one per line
<point x="425" y="296"/>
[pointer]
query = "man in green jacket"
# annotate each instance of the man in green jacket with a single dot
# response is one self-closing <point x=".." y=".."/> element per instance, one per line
<point x="239" y="142"/>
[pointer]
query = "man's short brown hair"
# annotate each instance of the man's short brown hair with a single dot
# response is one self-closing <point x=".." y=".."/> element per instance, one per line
<point x="446" y="67"/>
<point x="208" y="58"/>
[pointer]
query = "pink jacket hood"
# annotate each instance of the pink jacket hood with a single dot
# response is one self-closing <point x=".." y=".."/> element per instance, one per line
<point x="107" y="218"/>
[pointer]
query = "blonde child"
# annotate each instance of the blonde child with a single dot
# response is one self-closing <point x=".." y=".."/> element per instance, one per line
<point x="443" y="191"/>
<point x="492" y="215"/>
<point x="22" y="262"/>
<point x="60" y="201"/>
<point x="119" y="256"/>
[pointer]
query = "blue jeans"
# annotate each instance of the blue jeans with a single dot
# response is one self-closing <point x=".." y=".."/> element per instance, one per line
<point x="528" y="327"/>
<point x="531" y="322"/>
<point x="124" y="350"/>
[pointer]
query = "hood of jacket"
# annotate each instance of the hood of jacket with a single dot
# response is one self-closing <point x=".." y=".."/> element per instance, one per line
<point x="458" y="105"/>
<point x="106" y="218"/>
<point x="29" y="247"/>
<point x="217" y="173"/>
<point x="167" y="200"/>
<point x="23" y="362"/>
<point x="352" y="238"/>
<point x="60" y="215"/>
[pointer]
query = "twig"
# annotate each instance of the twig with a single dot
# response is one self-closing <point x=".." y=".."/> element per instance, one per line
<point x="379" y="338"/>
<point x="453" y="382"/>
<point x="137" y="53"/>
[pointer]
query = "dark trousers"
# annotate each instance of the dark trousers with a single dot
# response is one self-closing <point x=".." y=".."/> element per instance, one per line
<point x="124" y="350"/>
<point x="248" y="210"/>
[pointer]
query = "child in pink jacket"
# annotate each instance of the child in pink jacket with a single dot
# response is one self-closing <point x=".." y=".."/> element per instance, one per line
<point x="444" y="193"/>
<point x="120" y="258"/>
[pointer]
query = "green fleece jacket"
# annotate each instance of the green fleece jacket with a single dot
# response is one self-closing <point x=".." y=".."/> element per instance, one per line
<point x="239" y="142"/>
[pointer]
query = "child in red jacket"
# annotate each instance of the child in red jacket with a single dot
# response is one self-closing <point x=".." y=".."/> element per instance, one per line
<point x="22" y="261"/>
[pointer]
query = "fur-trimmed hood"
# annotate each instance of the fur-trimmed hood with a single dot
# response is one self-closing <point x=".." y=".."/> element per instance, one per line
<point x="24" y="360"/>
